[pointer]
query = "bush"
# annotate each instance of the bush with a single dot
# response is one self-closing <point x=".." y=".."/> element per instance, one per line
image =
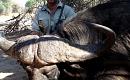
<point x="2" y="8"/>
<point x="30" y="3"/>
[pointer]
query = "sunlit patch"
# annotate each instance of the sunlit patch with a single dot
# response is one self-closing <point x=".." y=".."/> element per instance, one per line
<point x="4" y="75"/>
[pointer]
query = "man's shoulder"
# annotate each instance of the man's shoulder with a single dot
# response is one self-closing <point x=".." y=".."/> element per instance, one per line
<point x="68" y="7"/>
<point x="41" y="8"/>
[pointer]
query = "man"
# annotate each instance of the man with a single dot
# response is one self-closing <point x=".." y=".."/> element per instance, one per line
<point x="47" y="19"/>
<point x="49" y="16"/>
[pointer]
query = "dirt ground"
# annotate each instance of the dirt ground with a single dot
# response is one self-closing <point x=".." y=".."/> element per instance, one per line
<point x="10" y="69"/>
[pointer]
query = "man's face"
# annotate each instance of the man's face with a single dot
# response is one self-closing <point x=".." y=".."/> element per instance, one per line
<point x="51" y="1"/>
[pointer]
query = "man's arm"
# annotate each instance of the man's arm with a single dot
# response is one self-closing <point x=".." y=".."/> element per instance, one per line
<point x="34" y="25"/>
<point x="69" y="12"/>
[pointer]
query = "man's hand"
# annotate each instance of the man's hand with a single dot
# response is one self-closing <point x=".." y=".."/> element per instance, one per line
<point x="36" y="33"/>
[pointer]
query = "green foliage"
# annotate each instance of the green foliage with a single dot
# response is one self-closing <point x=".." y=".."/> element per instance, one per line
<point x="2" y="8"/>
<point x="4" y="5"/>
<point x="34" y="3"/>
<point x="30" y="3"/>
<point x="5" y="1"/>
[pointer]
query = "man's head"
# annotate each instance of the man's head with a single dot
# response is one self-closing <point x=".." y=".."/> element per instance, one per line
<point x="53" y="1"/>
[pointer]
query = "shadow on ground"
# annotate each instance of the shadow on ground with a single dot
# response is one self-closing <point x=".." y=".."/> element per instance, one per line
<point x="10" y="69"/>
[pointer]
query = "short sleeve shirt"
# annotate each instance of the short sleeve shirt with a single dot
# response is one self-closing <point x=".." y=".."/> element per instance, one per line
<point x="50" y="20"/>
